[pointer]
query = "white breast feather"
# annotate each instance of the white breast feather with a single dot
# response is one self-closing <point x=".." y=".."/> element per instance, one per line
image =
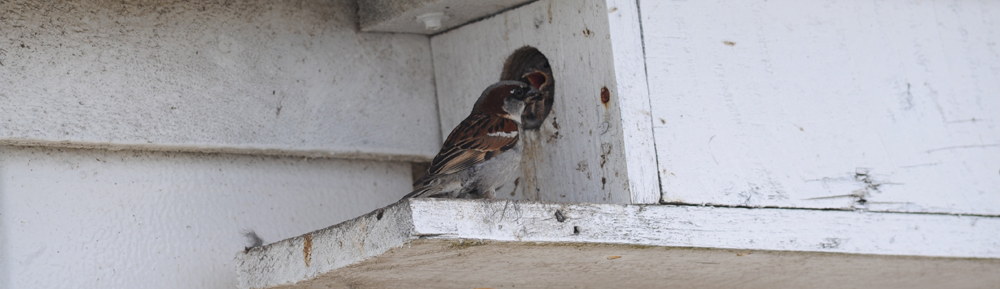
<point x="503" y="134"/>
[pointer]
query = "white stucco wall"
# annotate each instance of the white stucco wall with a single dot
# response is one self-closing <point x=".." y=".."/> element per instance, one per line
<point x="154" y="86"/>
<point x="885" y="105"/>
<point x="74" y="218"/>
<point x="284" y="78"/>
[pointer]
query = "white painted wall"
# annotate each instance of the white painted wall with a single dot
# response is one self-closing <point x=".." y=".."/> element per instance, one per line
<point x="99" y="219"/>
<point x="284" y="78"/>
<point x="822" y="103"/>
<point x="586" y="151"/>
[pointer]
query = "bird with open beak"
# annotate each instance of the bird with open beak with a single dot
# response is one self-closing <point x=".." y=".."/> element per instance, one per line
<point x="530" y="66"/>
<point x="484" y="151"/>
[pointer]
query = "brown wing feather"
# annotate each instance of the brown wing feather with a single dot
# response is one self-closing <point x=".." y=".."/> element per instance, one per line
<point x="471" y="143"/>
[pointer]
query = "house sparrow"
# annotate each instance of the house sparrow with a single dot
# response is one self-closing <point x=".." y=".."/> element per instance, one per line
<point x="536" y="112"/>
<point x="525" y="62"/>
<point x="483" y="152"/>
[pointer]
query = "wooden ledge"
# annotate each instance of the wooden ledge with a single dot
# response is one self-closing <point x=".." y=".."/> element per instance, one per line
<point x="447" y="243"/>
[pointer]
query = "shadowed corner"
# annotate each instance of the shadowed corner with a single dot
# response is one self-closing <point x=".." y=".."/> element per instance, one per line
<point x="5" y="276"/>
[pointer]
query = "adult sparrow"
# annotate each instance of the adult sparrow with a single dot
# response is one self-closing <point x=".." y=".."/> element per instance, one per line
<point x="484" y="151"/>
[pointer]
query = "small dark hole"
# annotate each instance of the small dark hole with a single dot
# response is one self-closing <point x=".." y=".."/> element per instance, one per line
<point x="379" y="216"/>
<point x="576" y="230"/>
<point x="560" y="217"/>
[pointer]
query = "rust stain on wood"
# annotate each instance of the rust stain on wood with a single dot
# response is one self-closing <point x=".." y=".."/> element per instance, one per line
<point x="307" y="248"/>
<point x="605" y="96"/>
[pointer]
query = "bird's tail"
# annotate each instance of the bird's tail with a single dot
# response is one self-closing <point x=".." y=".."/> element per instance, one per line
<point x="417" y="193"/>
<point x="427" y="191"/>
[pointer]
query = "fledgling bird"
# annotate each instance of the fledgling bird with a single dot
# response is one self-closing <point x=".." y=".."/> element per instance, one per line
<point x="484" y="151"/>
<point x="524" y="65"/>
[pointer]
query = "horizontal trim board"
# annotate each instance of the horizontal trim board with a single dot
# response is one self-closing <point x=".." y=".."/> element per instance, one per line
<point x="519" y="224"/>
<point x="341" y="153"/>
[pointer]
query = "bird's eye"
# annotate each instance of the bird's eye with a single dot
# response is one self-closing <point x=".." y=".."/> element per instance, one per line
<point x="516" y="91"/>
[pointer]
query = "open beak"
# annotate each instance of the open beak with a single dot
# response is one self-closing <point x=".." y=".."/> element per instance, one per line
<point x="537" y="79"/>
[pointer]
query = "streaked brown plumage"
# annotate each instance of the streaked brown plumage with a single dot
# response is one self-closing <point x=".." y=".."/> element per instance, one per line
<point x="484" y="150"/>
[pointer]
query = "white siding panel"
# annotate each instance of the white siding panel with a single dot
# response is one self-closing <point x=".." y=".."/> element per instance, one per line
<point x="130" y="219"/>
<point x="282" y="78"/>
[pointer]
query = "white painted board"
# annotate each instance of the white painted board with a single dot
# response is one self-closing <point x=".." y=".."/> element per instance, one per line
<point x="130" y="219"/>
<point x="261" y="77"/>
<point x="586" y="151"/>
<point x="397" y="236"/>
<point x="888" y="106"/>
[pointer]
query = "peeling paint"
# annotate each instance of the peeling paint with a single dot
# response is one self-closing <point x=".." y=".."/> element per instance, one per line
<point x="832" y="243"/>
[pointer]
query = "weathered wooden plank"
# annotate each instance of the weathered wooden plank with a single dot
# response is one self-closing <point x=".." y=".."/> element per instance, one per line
<point x="260" y="77"/>
<point x="588" y="150"/>
<point x="888" y="106"/>
<point x="713" y="227"/>
<point x="462" y="264"/>
<point x="448" y="241"/>
<point x="633" y="100"/>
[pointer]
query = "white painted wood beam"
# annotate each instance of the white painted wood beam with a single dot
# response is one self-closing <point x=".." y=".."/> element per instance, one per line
<point x="432" y="238"/>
